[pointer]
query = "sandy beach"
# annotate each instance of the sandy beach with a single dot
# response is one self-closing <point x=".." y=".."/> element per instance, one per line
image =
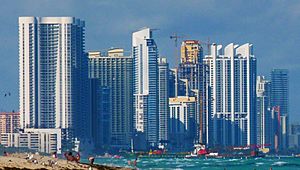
<point x="21" y="161"/>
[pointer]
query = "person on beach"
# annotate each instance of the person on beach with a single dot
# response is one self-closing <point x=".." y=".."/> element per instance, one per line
<point x="77" y="158"/>
<point x="5" y="153"/>
<point x="54" y="155"/>
<point x="135" y="162"/>
<point x="29" y="157"/>
<point x="91" y="159"/>
<point x="69" y="156"/>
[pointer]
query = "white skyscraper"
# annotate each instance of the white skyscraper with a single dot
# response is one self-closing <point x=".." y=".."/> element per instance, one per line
<point x="163" y="88"/>
<point x="145" y="54"/>
<point x="264" y="117"/>
<point x="232" y="83"/>
<point x="52" y="72"/>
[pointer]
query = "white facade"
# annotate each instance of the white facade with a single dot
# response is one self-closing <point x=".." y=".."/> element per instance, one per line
<point x="163" y="86"/>
<point x="42" y="140"/>
<point x="232" y="83"/>
<point x="145" y="54"/>
<point x="264" y="118"/>
<point x="51" y="67"/>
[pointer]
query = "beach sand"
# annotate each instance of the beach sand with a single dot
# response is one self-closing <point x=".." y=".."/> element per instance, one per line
<point x="19" y="161"/>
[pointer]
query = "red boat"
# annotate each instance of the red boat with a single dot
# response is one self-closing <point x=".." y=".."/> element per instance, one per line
<point x="199" y="150"/>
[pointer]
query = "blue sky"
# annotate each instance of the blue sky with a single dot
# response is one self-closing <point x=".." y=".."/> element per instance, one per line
<point x="272" y="26"/>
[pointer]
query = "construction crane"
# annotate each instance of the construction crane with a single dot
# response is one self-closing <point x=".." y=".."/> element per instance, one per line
<point x="176" y="37"/>
<point x="208" y="44"/>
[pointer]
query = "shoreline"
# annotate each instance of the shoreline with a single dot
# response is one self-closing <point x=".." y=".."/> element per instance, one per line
<point x="21" y="161"/>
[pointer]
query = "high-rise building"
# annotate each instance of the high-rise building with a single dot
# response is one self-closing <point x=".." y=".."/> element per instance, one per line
<point x="172" y="82"/>
<point x="191" y="70"/>
<point x="53" y="74"/>
<point x="112" y="97"/>
<point x="163" y="97"/>
<point x="145" y="54"/>
<point x="280" y="100"/>
<point x="191" y="67"/>
<point x="101" y="113"/>
<point x="191" y="52"/>
<point x="232" y="84"/>
<point x="264" y="117"/>
<point x="182" y="126"/>
<point x="177" y="86"/>
<point x="275" y="129"/>
<point x="9" y="122"/>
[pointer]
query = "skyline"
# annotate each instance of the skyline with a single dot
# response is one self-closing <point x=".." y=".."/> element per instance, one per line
<point x="115" y="30"/>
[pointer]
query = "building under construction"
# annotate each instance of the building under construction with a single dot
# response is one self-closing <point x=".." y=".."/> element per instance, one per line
<point x="188" y="80"/>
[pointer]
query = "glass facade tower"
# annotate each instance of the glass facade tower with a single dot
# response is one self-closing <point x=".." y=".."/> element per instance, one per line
<point x="280" y="101"/>
<point x="145" y="54"/>
<point x="112" y="111"/>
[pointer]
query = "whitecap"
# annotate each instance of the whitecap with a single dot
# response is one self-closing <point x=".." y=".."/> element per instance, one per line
<point x="259" y="163"/>
<point x="280" y="163"/>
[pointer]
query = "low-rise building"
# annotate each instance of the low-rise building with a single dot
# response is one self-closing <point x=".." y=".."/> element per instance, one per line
<point x="182" y="125"/>
<point x="294" y="136"/>
<point x="41" y="140"/>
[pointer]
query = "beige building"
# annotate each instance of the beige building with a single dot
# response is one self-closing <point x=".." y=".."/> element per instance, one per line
<point x="9" y="122"/>
<point x="41" y="140"/>
<point x="190" y="52"/>
<point x="182" y="122"/>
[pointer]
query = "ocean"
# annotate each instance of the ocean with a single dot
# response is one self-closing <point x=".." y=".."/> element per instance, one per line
<point x="274" y="163"/>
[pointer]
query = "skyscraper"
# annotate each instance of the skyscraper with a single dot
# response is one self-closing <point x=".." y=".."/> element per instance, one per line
<point x="111" y="111"/>
<point x="191" y="67"/>
<point x="191" y="70"/>
<point x="163" y="97"/>
<point x="280" y="100"/>
<point x="264" y="117"/>
<point x="52" y="74"/>
<point x="232" y="83"/>
<point x="177" y="86"/>
<point x="145" y="54"/>
<point x="191" y="52"/>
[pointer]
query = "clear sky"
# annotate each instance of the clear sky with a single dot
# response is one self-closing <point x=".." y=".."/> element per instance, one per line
<point x="273" y="27"/>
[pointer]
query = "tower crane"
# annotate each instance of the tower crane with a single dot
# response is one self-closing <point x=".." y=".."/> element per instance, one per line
<point x="175" y="36"/>
<point x="207" y="43"/>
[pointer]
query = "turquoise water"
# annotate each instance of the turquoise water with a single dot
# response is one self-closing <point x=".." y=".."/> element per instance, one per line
<point x="209" y="164"/>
